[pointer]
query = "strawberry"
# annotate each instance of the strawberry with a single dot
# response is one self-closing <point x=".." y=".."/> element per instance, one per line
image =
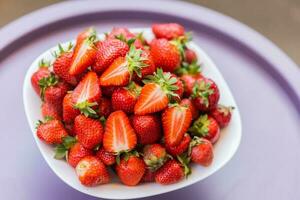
<point x="51" y="131"/>
<point x="168" y="31"/>
<point x="130" y="170"/>
<point x="176" y="121"/>
<point x="222" y="115"/>
<point x="181" y="147"/>
<point x="91" y="171"/>
<point x="188" y="103"/>
<point x="62" y="64"/>
<point x="70" y="129"/>
<point x="165" y="54"/>
<point x="89" y="131"/>
<point x="105" y="107"/>
<point x="149" y="176"/>
<point x="120" y="72"/>
<point x="147" y="128"/>
<point x="154" y="156"/>
<point x="42" y="72"/>
<point x="106" y="157"/>
<point x="201" y="151"/>
<point x="76" y="153"/>
<point x="190" y="56"/>
<point x="149" y="67"/>
<point x="119" y="136"/>
<point x="84" y="54"/>
<point x="87" y="94"/>
<point x="107" y="51"/>
<point x="207" y="127"/>
<point x="171" y="172"/>
<point x="205" y="94"/>
<point x="125" y="98"/>
<point x="69" y="112"/>
<point x="55" y="93"/>
<point x="125" y="35"/>
<point x="155" y="94"/>
<point x="51" y="110"/>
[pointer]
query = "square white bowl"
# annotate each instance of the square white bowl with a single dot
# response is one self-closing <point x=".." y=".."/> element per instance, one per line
<point x="224" y="149"/>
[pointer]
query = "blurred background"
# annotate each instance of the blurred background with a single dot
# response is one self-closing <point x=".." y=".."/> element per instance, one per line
<point x="279" y="20"/>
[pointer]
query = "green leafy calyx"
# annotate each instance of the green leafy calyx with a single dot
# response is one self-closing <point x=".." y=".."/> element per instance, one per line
<point x="61" y="150"/>
<point x="85" y="108"/>
<point x="202" y="90"/>
<point x="135" y="61"/>
<point x="165" y="80"/>
<point x="46" y="82"/>
<point x="200" y="127"/>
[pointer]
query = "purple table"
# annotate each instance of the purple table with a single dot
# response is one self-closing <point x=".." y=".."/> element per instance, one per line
<point x="264" y="81"/>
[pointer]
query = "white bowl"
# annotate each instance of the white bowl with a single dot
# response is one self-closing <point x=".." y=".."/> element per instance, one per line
<point x="223" y="150"/>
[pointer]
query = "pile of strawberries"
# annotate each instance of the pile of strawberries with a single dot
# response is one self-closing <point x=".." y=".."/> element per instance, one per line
<point x="141" y="108"/>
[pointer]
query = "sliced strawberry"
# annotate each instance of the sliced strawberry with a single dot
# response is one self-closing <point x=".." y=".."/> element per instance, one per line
<point x="176" y="121"/>
<point x="83" y="56"/>
<point x="85" y="34"/>
<point x="119" y="136"/>
<point x="155" y="95"/>
<point x="122" y="69"/>
<point x="87" y="93"/>
<point x="152" y="99"/>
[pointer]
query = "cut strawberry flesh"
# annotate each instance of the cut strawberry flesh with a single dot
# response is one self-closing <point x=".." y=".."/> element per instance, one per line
<point x="117" y="73"/>
<point x="87" y="90"/>
<point x="119" y="135"/>
<point x="152" y="99"/>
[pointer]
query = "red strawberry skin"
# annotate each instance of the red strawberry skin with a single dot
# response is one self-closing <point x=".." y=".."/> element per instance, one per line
<point x="149" y="176"/>
<point x="190" y="56"/>
<point x="61" y="68"/>
<point x="214" y="130"/>
<point x="176" y="121"/>
<point x="69" y="112"/>
<point x="107" y="51"/>
<point x="42" y="72"/>
<point x="89" y="131"/>
<point x="51" y="110"/>
<point x="149" y="68"/>
<point x="182" y="147"/>
<point x="123" y="99"/>
<point x="105" y="107"/>
<point x="147" y="127"/>
<point x="180" y="89"/>
<point x="191" y="106"/>
<point x="131" y="171"/>
<point x="76" y="153"/>
<point x="51" y="132"/>
<point x="202" y="153"/>
<point x="168" y="31"/>
<point x="222" y="115"/>
<point x="55" y="94"/>
<point x="117" y="31"/>
<point x="106" y="157"/>
<point x="165" y="54"/>
<point x="169" y="173"/>
<point x="108" y="90"/>
<point x="91" y="171"/>
<point x="212" y="99"/>
<point x="188" y="81"/>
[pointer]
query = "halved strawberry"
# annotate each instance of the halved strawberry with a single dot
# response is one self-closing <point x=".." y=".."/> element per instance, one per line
<point x="87" y="94"/>
<point x="155" y="95"/>
<point x="84" y="55"/>
<point x="107" y="51"/>
<point x="176" y="121"/>
<point x="181" y="147"/>
<point x="120" y="72"/>
<point x="119" y="136"/>
<point x="85" y="34"/>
